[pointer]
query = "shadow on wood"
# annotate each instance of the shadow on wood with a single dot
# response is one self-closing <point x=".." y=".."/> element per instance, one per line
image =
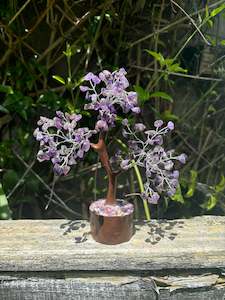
<point x="48" y="259"/>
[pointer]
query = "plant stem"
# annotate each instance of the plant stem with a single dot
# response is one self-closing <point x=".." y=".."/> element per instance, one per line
<point x="190" y="38"/>
<point x="70" y="79"/>
<point x="141" y="187"/>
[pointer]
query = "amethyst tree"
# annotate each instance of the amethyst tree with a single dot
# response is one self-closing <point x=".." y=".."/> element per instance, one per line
<point x="64" y="143"/>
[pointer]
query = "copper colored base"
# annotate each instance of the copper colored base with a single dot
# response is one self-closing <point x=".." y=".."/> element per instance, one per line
<point x="111" y="230"/>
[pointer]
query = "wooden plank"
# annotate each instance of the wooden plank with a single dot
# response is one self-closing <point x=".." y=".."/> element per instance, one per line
<point x="57" y="245"/>
<point x="76" y="289"/>
<point x="110" y="286"/>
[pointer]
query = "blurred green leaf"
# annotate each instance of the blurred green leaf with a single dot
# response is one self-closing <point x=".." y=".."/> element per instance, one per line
<point x="167" y="115"/>
<point x="192" y="184"/>
<point x="5" y="212"/>
<point x="70" y="50"/>
<point x="59" y="79"/>
<point x="143" y="95"/>
<point x="210" y="203"/>
<point x="217" y="10"/>
<point x="178" y="197"/>
<point x="176" y="68"/>
<point x="6" y="89"/>
<point x="211" y="109"/>
<point x="220" y="187"/>
<point x="70" y="107"/>
<point x="169" y="61"/>
<point x="162" y="95"/>
<point x="78" y="82"/>
<point x="157" y="56"/>
<point x="222" y="42"/>
<point x="210" y="23"/>
<point x="206" y="11"/>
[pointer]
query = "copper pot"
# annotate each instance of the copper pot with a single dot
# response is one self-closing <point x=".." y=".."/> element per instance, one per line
<point x="111" y="230"/>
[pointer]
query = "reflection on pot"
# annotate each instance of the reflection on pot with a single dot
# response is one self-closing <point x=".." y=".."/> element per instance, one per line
<point x="111" y="224"/>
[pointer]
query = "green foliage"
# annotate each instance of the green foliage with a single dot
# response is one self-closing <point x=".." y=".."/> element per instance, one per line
<point x="59" y="79"/>
<point x="5" y="212"/>
<point x="214" y="195"/>
<point x="6" y="89"/>
<point x="158" y="56"/>
<point x="162" y="95"/>
<point x="178" y="197"/>
<point x="199" y="196"/>
<point x="143" y="95"/>
<point x="167" y="64"/>
<point x="51" y="101"/>
<point x="220" y="187"/>
<point x="188" y="185"/>
<point x="41" y="70"/>
<point x="10" y="179"/>
<point x="167" y="115"/>
<point x="192" y="184"/>
<point x="217" y="10"/>
<point x="18" y="103"/>
<point x="210" y="202"/>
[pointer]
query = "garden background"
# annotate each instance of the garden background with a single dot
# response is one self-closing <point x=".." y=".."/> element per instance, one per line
<point x="174" y="53"/>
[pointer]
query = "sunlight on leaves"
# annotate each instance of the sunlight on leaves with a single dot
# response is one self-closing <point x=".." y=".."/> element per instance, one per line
<point x="5" y="212"/>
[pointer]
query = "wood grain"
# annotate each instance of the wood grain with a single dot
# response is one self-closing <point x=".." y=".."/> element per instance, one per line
<point x="100" y="285"/>
<point x="58" y="260"/>
<point x="38" y="245"/>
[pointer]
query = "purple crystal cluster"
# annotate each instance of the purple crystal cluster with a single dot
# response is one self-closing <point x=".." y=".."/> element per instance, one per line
<point x="107" y="93"/>
<point x="123" y="208"/>
<point x="64" y="143"/>
<point x="61" y="142"/>
<point x="148" y="153"/>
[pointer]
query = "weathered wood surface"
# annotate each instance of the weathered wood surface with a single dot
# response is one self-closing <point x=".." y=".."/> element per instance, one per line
<point x="33" y="245"/>
<point x="57" y="259"/>
<point x="110" y="286"/>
